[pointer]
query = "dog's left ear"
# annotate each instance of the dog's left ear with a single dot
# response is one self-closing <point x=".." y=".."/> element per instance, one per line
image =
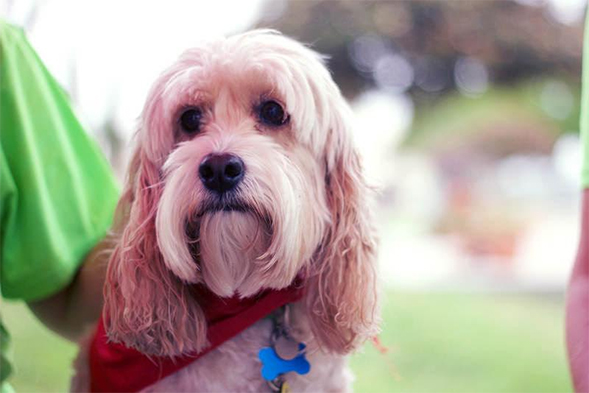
<point x="342" y="287"/>
<point x="146" y="306"/>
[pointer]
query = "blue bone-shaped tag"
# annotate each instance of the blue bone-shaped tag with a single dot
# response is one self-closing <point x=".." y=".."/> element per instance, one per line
<point x="273" y="365"/>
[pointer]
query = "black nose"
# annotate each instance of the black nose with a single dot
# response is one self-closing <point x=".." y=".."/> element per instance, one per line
<point x="221" y="172"/>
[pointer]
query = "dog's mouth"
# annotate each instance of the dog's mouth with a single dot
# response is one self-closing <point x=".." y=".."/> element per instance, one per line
<point x="223" y="206"/>
<point x="214" y="206"/>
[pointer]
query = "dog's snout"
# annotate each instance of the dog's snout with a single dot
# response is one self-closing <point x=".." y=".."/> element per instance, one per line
<point x="221" y="172"/>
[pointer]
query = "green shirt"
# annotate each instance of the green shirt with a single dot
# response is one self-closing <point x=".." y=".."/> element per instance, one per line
<point x="57" y="191"/>
<point x="585" y="108"/>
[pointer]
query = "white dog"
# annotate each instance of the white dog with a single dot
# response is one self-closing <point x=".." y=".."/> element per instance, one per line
<point x="244" y="186"/>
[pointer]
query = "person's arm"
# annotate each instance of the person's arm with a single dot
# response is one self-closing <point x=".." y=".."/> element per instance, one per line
<point x="577" y="312"/>
<point x="72" y="310"/>
<point x="57" y="195"/>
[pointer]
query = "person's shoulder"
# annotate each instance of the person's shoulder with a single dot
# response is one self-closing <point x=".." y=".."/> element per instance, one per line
<point x="10" y="32"/>
<point x="9" y="28"/>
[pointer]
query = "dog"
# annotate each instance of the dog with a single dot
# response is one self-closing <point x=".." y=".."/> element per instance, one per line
<point x="244" y="180"/>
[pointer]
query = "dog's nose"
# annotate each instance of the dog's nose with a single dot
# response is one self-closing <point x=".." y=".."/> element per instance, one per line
<point x="221" y="172"/>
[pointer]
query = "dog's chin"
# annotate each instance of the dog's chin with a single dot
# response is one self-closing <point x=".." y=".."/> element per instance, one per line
<point x="231" y="240"/>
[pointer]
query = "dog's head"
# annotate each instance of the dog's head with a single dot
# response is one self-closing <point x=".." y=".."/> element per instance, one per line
<point x="244" y="177"/>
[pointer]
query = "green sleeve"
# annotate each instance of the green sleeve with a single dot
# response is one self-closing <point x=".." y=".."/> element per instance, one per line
<point x="585" y="108"/>
<point x="57" y="191"/>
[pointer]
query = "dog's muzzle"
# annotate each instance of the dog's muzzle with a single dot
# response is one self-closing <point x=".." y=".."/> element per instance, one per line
<point x="221" y="173"/>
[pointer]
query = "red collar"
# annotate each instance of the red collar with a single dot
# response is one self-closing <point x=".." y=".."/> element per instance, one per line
<point x="117" y="368"/>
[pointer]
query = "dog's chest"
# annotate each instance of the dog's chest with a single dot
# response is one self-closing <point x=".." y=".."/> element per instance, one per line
<point x="235" y="366"/>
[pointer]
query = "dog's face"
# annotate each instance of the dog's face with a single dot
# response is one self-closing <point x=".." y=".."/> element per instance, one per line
<point x="244" y="177"/>
<point x="243" y="205"/>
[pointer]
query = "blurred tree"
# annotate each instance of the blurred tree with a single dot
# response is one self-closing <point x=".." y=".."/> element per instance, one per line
<point x="429" y="48"/>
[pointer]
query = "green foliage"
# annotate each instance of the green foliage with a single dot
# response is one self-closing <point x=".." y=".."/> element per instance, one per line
<point x="438" y="343"/>
<point x="530" y="103"/>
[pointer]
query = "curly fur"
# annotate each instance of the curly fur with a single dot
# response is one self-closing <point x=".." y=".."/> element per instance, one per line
<point x="307" y="212"/>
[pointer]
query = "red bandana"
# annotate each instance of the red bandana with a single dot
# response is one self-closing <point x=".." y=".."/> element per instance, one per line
<point x="117" y="368"/>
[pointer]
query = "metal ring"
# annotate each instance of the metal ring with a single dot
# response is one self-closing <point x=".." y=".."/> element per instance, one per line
<point x="276" y="384"/>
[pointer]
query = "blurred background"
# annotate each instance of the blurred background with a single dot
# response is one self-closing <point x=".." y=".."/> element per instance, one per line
<point x="468" y="118"/>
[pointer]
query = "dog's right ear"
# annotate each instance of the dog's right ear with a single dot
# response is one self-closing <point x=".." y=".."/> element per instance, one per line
<point x="146" y="306"/>
<point x="342" y="290"/>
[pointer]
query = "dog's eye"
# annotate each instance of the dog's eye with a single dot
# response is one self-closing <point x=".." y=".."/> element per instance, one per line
<point x="272" y="113"/>
<point x="190" y="120"/>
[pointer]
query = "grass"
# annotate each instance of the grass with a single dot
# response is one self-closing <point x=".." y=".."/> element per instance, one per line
<point x="437" y="343"/>
<point x="467" y="343"/>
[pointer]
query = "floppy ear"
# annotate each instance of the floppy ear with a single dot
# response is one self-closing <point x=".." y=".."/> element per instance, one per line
<point x="342" y="287"/>
<point x="146" y="306"/>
